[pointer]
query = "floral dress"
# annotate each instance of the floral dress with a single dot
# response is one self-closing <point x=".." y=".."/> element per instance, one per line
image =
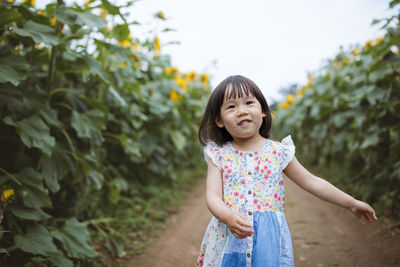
<point x="253" y="186"/>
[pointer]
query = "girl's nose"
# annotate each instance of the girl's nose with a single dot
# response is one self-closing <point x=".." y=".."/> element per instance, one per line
<point x="241" y="110"/>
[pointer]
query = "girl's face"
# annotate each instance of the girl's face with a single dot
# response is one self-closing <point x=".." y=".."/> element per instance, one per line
<point x="242" y="116"/>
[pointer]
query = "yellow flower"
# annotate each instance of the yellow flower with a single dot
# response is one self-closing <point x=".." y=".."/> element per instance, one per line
<point x="41" y="12"/>
<point x="136" y="47"/>
<point x="103" y="13"/>
<point x="181" y="82"/>
<point x="290" y="99"/>
<point x="106" y="28"/>
<point x="310" y="79"/>
<point x="10" y="1"/>
<point x="204" y="79"/>
<point x="53" y="21"/>
<point x="16" y="49"/>
<point x="377" y="40"/>
<point x="32" y="2"/>
<point x="346" y="60"/>
<point x="355" y="52"/>
<point x="284" y="105"/>
<point x="299" y="93"/>
<point x="171" y="70"/>
<point x="157" y="45"/>
<point x="122" y="64"/>
<point x="87" y="4"/>
<point x="160" y="15"/>
<point x="6" y="195"/>
<point x="368" y="44"/>
<point x="25" y="1"/>
<point x="175" y="96"/>
<point x="191" y="76"/>
<point x="126" y="43"/>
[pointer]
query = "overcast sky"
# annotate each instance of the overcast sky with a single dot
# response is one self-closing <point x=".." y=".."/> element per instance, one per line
<point x="274" y="43"/>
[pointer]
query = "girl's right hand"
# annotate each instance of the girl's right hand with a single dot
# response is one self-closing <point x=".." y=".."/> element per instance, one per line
<point x="239" y="225"/>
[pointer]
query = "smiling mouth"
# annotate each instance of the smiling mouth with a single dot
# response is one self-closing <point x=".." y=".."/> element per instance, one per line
<point x="244" y="122"/>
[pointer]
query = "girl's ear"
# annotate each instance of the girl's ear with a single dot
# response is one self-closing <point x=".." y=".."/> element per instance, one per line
<point x="219" y="122"/>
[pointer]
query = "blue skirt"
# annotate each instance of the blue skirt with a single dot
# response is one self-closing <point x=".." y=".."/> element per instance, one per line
<point x="270" y="245"/>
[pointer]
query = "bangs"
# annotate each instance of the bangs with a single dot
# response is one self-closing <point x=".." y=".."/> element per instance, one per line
<point x="238" y="88"/>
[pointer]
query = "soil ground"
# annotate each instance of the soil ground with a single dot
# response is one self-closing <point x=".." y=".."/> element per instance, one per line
<point x="322" y="234"/>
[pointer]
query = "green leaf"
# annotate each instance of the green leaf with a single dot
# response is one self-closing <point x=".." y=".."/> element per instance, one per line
<point x="8" y="74"/>
<point x="89" y="125"/>
<point x="8" y="15"/>
<point x="178" y="138"/>
<point x="147" y="143"/>
<point x="115" y="245"/>
<point x="121" y="31"/>
<point x="95" y="68"/>
<point x="113" y="10"/>
<point x="64" y="262"/>
<point x="393" y="3"/>
<point x="34" y="133"/>
<point x="54" y="168"/>
<point x="75" y="238"/>
<point x="87" y="18"/>
<point x="34" y="198"/>
<point x="117" y="96"/>
<point x="36" y="240"/>
<point x="38" y="32"/>
<point x="71" y="17"/>
<point x="370" y="140"/>
<point x="30" y="213"/>
<point x="29" y="177"/>
<point x="131" y="147"/>
<point x="96" y="177"/>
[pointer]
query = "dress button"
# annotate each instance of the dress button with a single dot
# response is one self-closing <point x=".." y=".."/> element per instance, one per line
<point x="250" y="213"/>
<point x="249" y="192"/>
<point x="248" y="255"/>
<point x="251" y="154"/>
<point x="249" y="172"/>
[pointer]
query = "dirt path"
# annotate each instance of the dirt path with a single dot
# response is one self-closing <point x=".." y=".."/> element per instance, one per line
<point x="322" y="234"/>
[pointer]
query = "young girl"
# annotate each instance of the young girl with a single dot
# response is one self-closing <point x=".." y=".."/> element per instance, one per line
<point x="245" y="190"/>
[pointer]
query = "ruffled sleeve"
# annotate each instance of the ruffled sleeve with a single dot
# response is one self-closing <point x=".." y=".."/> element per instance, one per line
<point x="212" y="151"/>
<point x="288" y="150"/>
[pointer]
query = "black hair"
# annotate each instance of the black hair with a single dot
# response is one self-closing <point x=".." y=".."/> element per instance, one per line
<point x="238" y="86"/>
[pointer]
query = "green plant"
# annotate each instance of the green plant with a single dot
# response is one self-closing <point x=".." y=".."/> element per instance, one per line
<point x="93" y="122"/>
<point x="347" y="118"/>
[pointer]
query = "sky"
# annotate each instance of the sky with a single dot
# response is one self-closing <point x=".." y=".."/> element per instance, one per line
<point x="274" y="43"/>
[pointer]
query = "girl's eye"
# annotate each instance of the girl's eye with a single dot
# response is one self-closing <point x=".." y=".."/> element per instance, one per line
<point x="249" y="102"/>
<point x="231" y="106"/>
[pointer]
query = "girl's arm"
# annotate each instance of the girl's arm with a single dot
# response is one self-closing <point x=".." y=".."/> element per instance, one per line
<point x="237" y="222"/>
<point x="326" y="191"/>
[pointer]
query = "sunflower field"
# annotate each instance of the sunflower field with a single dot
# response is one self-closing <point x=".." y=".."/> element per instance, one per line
<point x="98" y="132"/>
<point x="346" y="119"/>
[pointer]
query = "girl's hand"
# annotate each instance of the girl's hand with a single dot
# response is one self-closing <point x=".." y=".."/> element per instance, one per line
<point x="239" y="225"/>
<point x="362" y="209"/>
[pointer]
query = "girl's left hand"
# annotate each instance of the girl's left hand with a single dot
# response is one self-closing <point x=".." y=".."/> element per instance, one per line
<point x="361" y="209"/>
